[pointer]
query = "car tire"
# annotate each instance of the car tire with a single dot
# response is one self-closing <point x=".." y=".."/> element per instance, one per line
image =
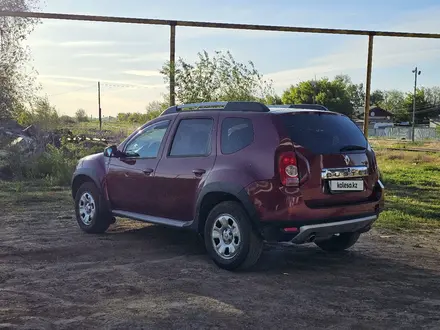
<point x="339" y="243"/>
<point x="91" y="214"/>
<point x="228" y="228"/>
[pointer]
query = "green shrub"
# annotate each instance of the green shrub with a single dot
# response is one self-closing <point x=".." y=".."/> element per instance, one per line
<point x="54" y="165"/>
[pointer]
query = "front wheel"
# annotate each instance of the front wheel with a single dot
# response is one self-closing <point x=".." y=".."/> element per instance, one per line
<point x="92" y="217"/>
<point x="339" y="242"/>
<point x="229" y="237"/>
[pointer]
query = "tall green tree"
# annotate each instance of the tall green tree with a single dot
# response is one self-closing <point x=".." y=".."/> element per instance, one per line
<point x="394" y="102"/>
<point x="81" y="115"/>
<point x="424" y="109"/>
<point x="339" y="95"/>
<point x="432" y="95"/>
<point x="377" y="97"/>
<point x="217" y="78"/>
<point x="17" y="80"/>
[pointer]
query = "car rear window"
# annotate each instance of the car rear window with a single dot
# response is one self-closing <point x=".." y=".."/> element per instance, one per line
<point x="323" y="133"/>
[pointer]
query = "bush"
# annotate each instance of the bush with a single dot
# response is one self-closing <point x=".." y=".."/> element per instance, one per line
<point x="66" y="120"/>
<point x="137" y="117"/>
<point x="54" y="165"/>
<point x="42" y="114"/>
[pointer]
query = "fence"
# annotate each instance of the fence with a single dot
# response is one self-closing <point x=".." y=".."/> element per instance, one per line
<point x="420" y="133"/>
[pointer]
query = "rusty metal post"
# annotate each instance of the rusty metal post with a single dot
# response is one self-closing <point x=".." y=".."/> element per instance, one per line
<point x="368" y="84"/>
<point x="172" y="64"/>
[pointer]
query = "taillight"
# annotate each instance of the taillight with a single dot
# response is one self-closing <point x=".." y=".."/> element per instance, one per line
<point x="288" y="169"/>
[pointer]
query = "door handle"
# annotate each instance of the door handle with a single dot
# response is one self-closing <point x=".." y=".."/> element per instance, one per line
<point x="199" y="171"/>
<point x="148" y="171"/>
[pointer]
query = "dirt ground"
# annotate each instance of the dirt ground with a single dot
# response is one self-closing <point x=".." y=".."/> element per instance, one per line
<point x="53" y="276"/>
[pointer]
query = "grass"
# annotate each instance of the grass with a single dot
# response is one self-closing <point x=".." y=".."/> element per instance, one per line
<point x="404" y="144"/>
<point x="412" y="189"/>
<point x="114" y="132"/>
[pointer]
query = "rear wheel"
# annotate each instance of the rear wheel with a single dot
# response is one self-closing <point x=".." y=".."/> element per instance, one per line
<point x="92" y="217"/>
<point x="339" y="242"/>
<point x="229" y="237"/>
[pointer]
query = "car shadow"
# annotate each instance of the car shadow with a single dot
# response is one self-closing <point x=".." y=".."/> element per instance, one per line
<point x="275" y="257"/>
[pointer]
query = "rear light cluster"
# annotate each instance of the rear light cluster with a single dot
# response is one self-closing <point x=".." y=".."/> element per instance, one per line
<point x="288" y="169"/>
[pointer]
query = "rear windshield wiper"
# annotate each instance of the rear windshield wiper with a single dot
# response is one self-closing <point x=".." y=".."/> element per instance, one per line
<point x="352" y="147"/>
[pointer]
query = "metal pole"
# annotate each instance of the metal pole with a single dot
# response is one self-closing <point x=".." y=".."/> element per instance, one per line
<point x="172" y="64"/>
<point x="416" y="73"/>
<point x="216" y="25"/>
<point x="368" y="84"/>
<point x="99" y="105"/>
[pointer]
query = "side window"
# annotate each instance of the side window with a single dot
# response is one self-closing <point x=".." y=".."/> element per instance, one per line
<point x="147" y="143"/>
<point x="192" y="138"/>
<point x="236" y="134"/>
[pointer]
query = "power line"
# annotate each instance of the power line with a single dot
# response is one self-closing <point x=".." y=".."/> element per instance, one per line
<point x="72" y="91"/>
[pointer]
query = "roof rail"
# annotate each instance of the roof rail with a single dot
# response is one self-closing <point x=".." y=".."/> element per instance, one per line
<point x="225" y="106"/>
<point x="300" y="106"/>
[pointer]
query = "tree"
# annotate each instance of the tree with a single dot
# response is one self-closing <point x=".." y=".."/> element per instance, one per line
<point x="394" y="102"/>
<point x="81" y="116"/>
<point x="339" y="95"/>
<point x="432" y="95"/>
<point x="355" y="92"/>
<point x="217" y="78"/>
<point x="154" y="106"/>
<point x="17" y="80"/>
<point x="377" y="97"/>
<point x="44" y="115"/>
<point x="122" y="116"/>
<point x="273" y="99"/>
<point x="424" y="109"/>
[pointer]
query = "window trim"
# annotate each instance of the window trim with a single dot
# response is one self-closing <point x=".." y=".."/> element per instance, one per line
<point x="168" y="155"/>
<point x="221" y="135"/>
<point x="142" y="131"/>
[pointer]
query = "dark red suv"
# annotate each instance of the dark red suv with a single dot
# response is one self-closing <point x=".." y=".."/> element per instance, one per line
<point x="239" y="174"/>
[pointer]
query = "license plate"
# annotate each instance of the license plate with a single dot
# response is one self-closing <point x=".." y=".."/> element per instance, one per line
<point x="346" y="185"/>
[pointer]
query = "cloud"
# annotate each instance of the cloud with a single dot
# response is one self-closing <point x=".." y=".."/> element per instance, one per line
<point x="151" y="57"/>
<point x="87" y="43"/>
<point x="60" y="83"/>
<point x="70" y="44"/>
<point x="143" y="73"/>
<point x="101" y="55"/>
<point x="95" y="80"/>
<point x="388" y="52"/>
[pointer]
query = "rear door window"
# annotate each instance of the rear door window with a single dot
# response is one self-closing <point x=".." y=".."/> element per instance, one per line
<point x="192" y="138"/>
<point x="236" y="134"/>
<point x="324" y="133"/>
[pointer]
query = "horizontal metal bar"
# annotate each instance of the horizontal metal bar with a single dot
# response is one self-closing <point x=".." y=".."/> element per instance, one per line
<point x="114" y="19"/>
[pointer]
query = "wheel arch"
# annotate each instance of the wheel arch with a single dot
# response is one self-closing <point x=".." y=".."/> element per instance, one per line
<point x="217" y="192"/>
<point x="81" y="176"/>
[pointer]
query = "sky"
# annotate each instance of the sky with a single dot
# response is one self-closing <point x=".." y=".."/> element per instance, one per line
<point x="71" y="57"/>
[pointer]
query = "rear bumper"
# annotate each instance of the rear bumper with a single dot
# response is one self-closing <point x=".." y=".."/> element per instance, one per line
<point x="310" y="233"/>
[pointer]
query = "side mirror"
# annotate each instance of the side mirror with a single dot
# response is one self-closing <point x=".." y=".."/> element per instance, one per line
<point x="111" y="151"/>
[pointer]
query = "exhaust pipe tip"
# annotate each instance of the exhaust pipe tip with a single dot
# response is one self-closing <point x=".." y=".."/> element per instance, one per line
<point x="311" y="238"/>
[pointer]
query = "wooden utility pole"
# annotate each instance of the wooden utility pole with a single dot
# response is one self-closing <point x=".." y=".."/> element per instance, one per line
<point x="99" y="105"/>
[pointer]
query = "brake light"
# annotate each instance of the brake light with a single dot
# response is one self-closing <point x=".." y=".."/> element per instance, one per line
<point x="288" y="169"/>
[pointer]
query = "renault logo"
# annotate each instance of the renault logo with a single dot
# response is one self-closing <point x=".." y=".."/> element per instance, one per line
<point x="347" y="160"/>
